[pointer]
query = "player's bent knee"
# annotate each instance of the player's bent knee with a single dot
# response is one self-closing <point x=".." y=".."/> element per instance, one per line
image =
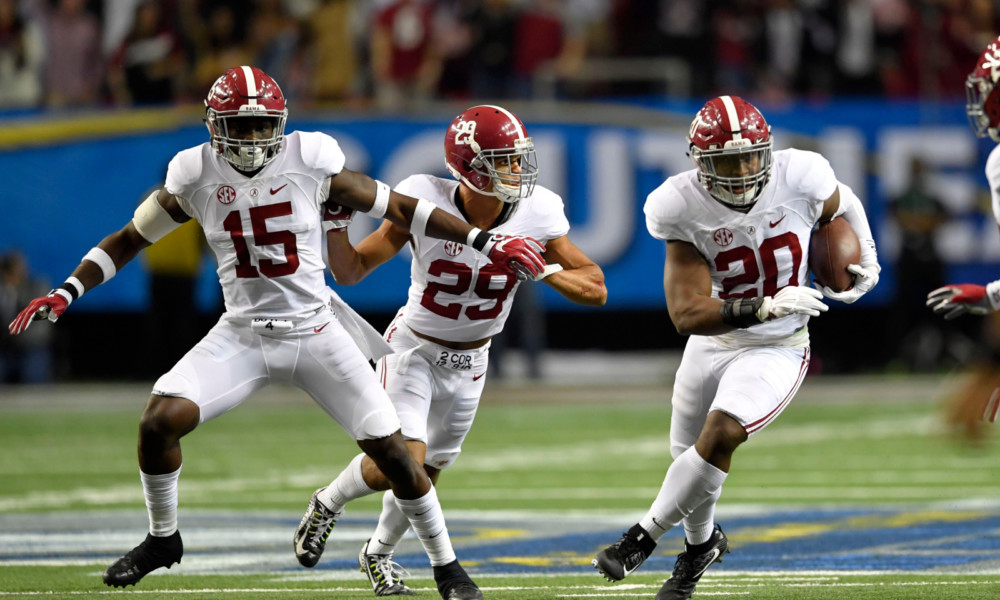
<point x="167" y="416"/>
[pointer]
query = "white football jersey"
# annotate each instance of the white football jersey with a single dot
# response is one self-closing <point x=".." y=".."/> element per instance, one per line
<point x="456" y="294"/>
<point x="265" y="230"/>
<point x="993" y="178"/>
<point x="754" y="253"/>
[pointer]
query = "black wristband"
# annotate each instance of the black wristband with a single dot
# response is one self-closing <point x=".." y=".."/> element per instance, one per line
<point x="71" y="289"/>
<point x="741" y="312"/>
<point x="482" y="238"/>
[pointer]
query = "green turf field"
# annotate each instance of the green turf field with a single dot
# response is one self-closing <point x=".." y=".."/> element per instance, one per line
<point x="549" y="475"/>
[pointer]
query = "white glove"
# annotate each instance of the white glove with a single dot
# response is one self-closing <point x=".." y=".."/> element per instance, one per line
<point x="792" y="300"/>
<point x="865" y="278"/>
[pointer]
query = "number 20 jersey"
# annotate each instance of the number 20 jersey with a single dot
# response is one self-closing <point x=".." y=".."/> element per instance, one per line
<point x="456" y="294"/>
<point x="754" y="253"/>
<point x="264" y="230"/>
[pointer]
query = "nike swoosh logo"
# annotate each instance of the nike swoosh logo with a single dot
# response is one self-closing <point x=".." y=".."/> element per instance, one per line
<point x="275" y="191"/>
<point x="772" y="224"/>
<point x="421" y="514"/>
<point x="299" y="549"/>
<point x="319" y="329"/>
<point x="477" y="377"/>
<point x="715" y="556"/>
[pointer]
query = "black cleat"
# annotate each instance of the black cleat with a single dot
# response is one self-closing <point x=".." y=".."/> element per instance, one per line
<point x="316" y="525"/>
<point x="619" y="560"/>
<point x="151" y="554"/>
<point x="383" y="573"/>
<point x="690" y="567"/>
<point x="455" y="584"/>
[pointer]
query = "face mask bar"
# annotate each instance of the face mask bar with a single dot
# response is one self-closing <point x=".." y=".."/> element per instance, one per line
<point x="976" y="91"/>
<point x="498" y="165"/>
<point x="721" y="187"/>
<point x="246" y="155"/>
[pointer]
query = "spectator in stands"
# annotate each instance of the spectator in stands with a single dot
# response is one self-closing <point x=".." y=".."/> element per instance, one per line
<point x="221" y="47"/>
<point x="146" y="66"/>
<point x="26" y="358"/>
<point x="21" y="48"/>
<point x="74" y="67"/>
<point x="330" y="69"/>
<point x="406" y="63"/>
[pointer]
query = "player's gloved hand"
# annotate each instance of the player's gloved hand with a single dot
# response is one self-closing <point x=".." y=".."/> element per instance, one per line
<point x="792" y="300"/>
<point x="518" y="254"/>
<point x="958" y="299"/>
<point x="865" y="278"/>
<point x="336" y="217"/>
<point x="49" y="307"/>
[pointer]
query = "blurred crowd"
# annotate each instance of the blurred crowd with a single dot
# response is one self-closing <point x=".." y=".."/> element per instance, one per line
<point x="99" y="53"/>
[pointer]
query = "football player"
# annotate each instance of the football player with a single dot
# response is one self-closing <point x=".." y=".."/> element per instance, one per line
<point x="260" y="196"/>
<point x="978" y="401"/>
<point x="737" y="233"/>
<point x="457" y="302"/>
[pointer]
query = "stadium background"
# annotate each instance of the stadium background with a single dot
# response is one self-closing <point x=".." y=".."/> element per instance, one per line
<point x="606" y="87"/>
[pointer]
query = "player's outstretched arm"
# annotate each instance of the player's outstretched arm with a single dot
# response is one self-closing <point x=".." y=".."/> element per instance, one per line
<point x="957" y="299"/>
<point x="519" y="255"/>
<point x="156" y="216"/>
<point x="687" y="282"/>
<point x="573" y="274"/>
<point x="351" y="264"/>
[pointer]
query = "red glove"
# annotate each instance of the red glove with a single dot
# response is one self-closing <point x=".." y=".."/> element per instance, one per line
<point x="49" y="307"/>
<point x="336" y="217"/>
<point x="518" y="254"/>
<point x="959" y="299"/>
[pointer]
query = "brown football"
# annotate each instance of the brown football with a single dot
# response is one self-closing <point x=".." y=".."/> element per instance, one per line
<point x="832" y="247"/>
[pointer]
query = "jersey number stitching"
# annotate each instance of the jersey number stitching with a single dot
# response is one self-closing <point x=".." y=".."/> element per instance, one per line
<point x="262" y="237"/>
<point x="463" y="282"/>
<point x="751" y="272"/>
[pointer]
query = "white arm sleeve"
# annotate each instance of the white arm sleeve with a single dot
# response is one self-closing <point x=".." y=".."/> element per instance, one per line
<point x="854" y="212"/>
<point x="152" y="221"/>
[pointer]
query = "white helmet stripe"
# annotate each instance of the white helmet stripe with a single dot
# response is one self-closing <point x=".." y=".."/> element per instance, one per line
<point x="734" y="119"/>
<point x="251" y="85"/>
<point x="513" y="120"/>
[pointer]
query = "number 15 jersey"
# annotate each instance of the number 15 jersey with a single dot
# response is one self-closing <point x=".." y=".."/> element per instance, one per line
<point x="456" y="294"/>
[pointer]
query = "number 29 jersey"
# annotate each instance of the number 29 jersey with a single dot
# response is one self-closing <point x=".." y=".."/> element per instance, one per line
<point x="755" y="253"/>
<point x="265" y="230"/>
<point x="455" y="293"/>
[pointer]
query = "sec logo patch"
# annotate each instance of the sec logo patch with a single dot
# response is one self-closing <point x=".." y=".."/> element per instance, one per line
<point x="225" y="194"/>
<point x="723" y="237"/>
<point x="452" y="248"/>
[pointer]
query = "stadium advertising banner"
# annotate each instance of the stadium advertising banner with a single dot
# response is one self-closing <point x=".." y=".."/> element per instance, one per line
<point x="61" y="197"/>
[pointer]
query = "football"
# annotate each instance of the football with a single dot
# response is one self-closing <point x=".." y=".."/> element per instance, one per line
<point x="832" y="247"/>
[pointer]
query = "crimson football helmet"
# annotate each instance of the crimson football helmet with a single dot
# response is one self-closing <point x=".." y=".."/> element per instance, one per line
<point x="487" y="148"/>
<point x="245" y="93"/>
<point x="730" y="143"/>
<point x="982" y="95"/>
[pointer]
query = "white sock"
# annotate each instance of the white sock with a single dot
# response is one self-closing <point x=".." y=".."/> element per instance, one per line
<point x="392" y="526"/>
<point x="427" y="519"/>
<point x="690" y="481"/>
<point x="699" y="525"/>
<point x="349" y="485"/>
<point x="161" y="502"/>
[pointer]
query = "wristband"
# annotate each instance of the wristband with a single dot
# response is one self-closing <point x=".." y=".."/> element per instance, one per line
<point x="103" y="260"/>
<point x="741" y="312"/>
<point x="381" y="200"/>
<point x="477" y="238"/>
<point x="74" y="286"/>
<point x="418" y="226"/>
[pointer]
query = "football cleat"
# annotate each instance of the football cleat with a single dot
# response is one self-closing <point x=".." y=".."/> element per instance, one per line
<point x="690" y="567"/>
<point x="315" y="527"/>
<point x="454" y="583"/>
<point x="383" y="573"/>
<point x="151" y="554"/>
<point x="619" y="560"/>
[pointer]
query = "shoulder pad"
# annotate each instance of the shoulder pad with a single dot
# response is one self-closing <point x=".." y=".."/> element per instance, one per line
<point x="810" y="174"/>
<point x="320" y="151"/>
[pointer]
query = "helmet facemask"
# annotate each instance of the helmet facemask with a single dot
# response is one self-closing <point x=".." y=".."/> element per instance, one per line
<point x="737" y="174"/>
<point x="498" y="165"/>
<point x="245" y="153"/>
<point x="978" y="94"/>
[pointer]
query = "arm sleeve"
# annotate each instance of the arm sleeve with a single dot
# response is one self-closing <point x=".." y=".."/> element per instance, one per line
<point x="854" y="212"/>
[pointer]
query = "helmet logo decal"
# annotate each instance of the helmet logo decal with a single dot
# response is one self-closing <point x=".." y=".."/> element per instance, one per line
<point x="722" y="237"/>
<point x="225" y="194"/>
<point x="466" y="133"/>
